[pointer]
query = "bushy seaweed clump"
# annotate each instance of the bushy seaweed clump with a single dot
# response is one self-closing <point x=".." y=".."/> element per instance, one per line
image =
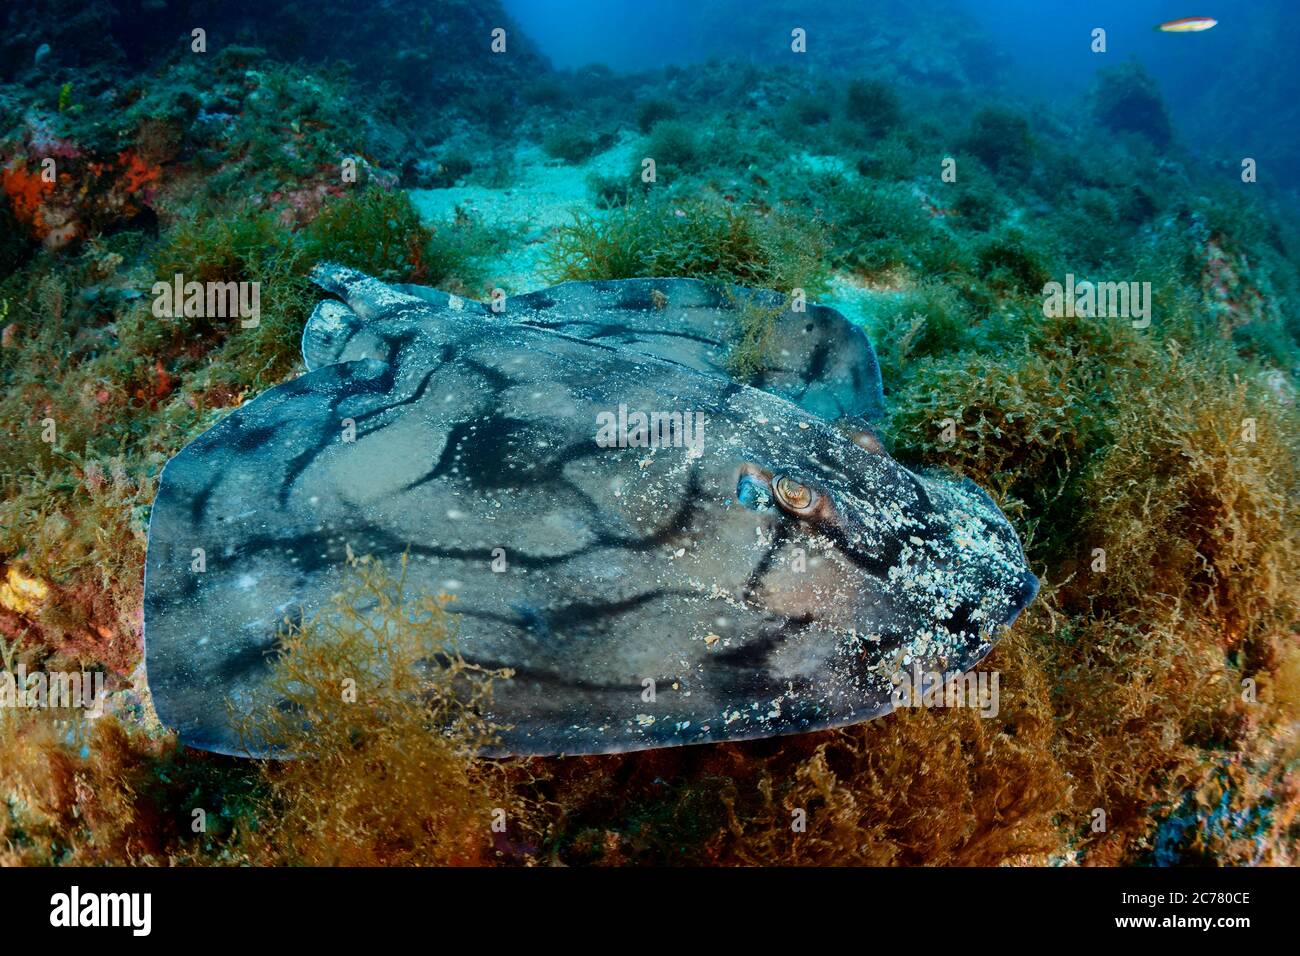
<point x="383" y="718"/>
<point x="1188" y="623"/>
<point x="677" y="148"/>
<point x="754" y="346"/>
<point x="874" y="104"/>
<point x="694" y="239"/>
<point x="372" y="700"/>
<point x="882" y="228"/>
<point x="1008" y="263"/>
<point x="1155" y="484"/>
<point x="921" y="787"/>
<point x="379" y="232"/>
<point x="803" y="113"/>
<point x="246" y="245"/>
<point x="655" y="110"/>
<point x="924" y="322"/>
<point x="1126" y="100"/>
<point x="1000" y="138"/>
<point x="100" y="794"/>
<point x="573" y="143"/>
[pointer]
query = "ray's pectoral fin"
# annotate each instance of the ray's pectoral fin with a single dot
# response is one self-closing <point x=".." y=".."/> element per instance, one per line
<point x="371" y="314"/>
<point x="329" y="332"/>
<point x="445" y="300"/>
<point x="337" y="331"/>
<point x="365" y="295"/>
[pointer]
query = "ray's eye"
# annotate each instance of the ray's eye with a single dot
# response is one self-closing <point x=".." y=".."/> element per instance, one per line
<point x="793" y="496"/>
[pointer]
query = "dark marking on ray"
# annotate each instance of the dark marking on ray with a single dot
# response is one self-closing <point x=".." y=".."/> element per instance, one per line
<point x="330" y="430"/>
<point x="780" y="535"/>
<point x="572" y="619"/>
<point x="755" y="653"/>
<point x="479" y="449"/>
<point x="249" y="658"/>
<point x="536" y="300"/>
<point x="609" y="330"/>
<point x="202" y="498"/>
<point x="415" y="396"/>
<point x="552" y="679"/>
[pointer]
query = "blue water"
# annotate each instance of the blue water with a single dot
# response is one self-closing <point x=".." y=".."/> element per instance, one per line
<point x="1229" y="90"/>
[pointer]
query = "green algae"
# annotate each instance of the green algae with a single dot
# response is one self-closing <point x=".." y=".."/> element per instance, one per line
<point x="691" y="239"/>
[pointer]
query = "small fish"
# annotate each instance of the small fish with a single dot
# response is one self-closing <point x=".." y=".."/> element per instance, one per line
<point x="1187" y="25"/>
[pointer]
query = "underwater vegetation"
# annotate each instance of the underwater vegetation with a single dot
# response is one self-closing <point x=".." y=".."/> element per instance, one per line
<point x="1126" y="101"/>
<point x="1152" y="473"/>
<point x="416" y="734"/>
<point x="698" y="239"/>
<point x="413" y="735"/>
